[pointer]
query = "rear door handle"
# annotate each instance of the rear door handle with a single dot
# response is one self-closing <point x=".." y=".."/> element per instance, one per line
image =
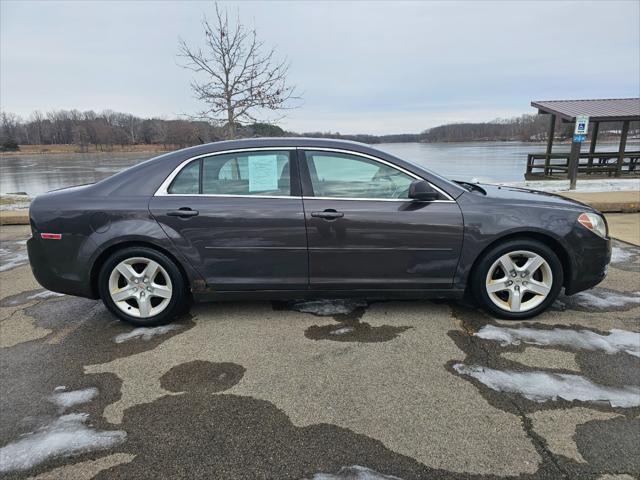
<point x="328" y="214"/>
<point x="183" y="212"/>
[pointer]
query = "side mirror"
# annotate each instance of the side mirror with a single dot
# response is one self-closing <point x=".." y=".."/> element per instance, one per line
<point x="421" y="190"/>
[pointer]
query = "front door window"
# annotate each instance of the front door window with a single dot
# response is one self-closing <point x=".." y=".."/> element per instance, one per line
<point x="339" y="175"/>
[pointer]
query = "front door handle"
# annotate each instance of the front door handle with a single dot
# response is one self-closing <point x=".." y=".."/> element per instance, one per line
<point x="329" y="214"/>
<point x="183" y="212"/>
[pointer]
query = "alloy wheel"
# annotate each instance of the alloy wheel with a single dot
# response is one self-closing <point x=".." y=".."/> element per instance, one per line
<point x="519" y="281"/>
<point x="140" y="287"/>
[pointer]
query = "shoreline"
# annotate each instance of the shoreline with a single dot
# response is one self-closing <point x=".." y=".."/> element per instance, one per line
<point x="67" y="149"/>
<point x="73" y="150"/>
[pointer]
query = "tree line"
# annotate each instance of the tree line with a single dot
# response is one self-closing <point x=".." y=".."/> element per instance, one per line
<point x="92" y="131"/>
<point x="102" y="131"/>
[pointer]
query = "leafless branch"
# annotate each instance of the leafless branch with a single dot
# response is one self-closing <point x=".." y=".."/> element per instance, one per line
<point x="235" y="76"/>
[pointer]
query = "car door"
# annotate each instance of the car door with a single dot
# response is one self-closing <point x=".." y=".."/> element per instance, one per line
<point x="238" y="217"/>
<point x="365" y="233"/>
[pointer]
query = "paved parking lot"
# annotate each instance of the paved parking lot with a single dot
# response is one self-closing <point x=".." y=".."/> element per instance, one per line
<point x="319" y="390"/>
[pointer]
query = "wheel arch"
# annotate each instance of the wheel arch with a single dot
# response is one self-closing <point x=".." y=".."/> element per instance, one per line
<point x="548" y="240"/>
<point x="110" y="250"/>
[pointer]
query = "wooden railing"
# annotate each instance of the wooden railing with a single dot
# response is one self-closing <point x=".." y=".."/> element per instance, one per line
<point x="599" y="163"/>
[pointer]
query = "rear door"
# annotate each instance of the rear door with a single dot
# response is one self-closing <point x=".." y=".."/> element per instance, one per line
<point x="238" y="217"/>
<point x="365" y="233"/>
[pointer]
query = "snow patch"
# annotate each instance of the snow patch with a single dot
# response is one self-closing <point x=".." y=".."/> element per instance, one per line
<point x="144" y="333"/>
<point x="600" y="299"/>
<point x="64" y="436"/>
<point x="9" y="259"/>
<point x="600" y="185"/>
<point x="541" y="386"/>
<point x="617" y="341"/>
<point x="355" y="472"/>
<point x="44" y="294"/>
<point x="341" y="331"/>
<point x="75" y="397"/>
<point x="328" y="307"/>
<point x="621" y="255"/>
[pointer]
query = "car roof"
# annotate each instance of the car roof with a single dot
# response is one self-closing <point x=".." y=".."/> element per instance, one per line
<point x="276" y="142"/>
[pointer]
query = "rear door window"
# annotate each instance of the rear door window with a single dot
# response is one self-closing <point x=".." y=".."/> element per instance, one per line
<point x="264" y="173"/>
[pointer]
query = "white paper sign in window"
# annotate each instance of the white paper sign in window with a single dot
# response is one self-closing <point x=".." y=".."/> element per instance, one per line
<point x="263" y="173"/>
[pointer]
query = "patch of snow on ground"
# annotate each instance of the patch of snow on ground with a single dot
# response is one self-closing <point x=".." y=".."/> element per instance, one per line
<point x="355" y="472"/>
<point x="603" y="299"/>
<point x="15" y="202"/>
<point x="66" y="435"/>
<point x="621" y="255"/>
<point x="44" y="294"/>
<point x="617" y="341"/>
<point x="341" y="331"/>
<point x="75" y="397"/>
<point x="145" y="333"/>
<point x="600" y="185"/>
<point x="328" y="307"/>
<point x="542" y="386"/>
<point x="9" y="259"/>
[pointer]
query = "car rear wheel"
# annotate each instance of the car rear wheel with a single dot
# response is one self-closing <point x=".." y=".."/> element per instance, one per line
<point x="142" y="286"/>
<point x="518" y="279"/>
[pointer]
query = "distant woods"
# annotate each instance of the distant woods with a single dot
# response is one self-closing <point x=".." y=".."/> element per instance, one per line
<point x="91" y="131"/>
<point x="526" y="128"/>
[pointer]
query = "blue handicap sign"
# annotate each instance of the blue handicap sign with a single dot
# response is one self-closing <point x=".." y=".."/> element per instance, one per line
<point x="579" y="138"/>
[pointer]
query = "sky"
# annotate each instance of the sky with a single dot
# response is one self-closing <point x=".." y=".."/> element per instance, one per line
<point x="373" y="67"/>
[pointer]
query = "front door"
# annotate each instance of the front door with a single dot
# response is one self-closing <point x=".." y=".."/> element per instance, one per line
<point x="238" y="218"/>
<point x="365" y="233"/>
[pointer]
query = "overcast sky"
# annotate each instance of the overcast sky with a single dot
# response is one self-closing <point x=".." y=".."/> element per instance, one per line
<point x="363" y="67"/>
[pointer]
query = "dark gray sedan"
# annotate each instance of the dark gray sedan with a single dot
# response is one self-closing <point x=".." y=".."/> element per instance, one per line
<point x="294" y="218"/>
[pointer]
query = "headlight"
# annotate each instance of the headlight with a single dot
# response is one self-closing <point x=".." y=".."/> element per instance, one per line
<point x="594" y="222"/>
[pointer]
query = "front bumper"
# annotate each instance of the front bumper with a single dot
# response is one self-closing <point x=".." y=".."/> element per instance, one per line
<point x="590" y="260"/>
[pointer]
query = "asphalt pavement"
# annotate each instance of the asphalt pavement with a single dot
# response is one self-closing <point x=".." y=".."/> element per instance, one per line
<point x="319" y="390"/>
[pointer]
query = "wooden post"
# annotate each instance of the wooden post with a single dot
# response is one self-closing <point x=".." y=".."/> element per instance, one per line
<point x="592" y="145"/>
<point x="623" y="145"/>
<point x="574" y="160"/>
<point x="547" y="159"/>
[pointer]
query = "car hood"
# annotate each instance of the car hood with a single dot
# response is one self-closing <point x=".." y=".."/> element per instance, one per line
<point x="527" y="197"/>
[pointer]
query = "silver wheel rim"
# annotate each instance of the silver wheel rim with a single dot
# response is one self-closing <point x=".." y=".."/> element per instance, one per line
<point x="140" y="287"/>
<point x="519" y="281"/>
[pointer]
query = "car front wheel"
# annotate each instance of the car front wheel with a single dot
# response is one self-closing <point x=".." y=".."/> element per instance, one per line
<point x="518" y="279"/>
<point x="142" y="286"/>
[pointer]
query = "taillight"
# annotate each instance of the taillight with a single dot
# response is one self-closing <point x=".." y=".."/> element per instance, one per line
<point x="51" y="236"/>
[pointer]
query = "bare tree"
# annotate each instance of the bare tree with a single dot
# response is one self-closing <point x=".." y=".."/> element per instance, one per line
<point x="237" y="78"/>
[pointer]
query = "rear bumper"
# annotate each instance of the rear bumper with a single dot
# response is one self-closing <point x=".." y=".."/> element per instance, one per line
<point x="590" y="261"/>
<point x="56" y="269"/>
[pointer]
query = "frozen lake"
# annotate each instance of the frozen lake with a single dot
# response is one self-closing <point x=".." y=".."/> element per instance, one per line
<point x="485" y="161"/>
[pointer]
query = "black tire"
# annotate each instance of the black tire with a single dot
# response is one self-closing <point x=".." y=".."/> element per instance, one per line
<point x="481" y="269"/>
<point x="178" y="303"/>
